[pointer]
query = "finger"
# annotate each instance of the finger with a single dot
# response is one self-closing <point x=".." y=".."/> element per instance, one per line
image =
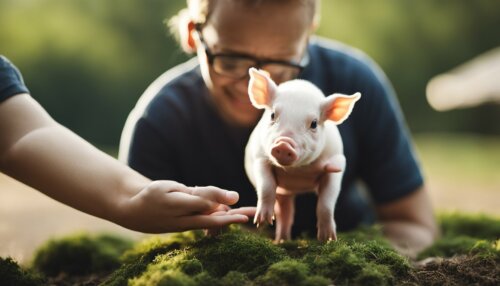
<point x="220" y="208"/>
<point x="189" y="204"/>
<point x="216" y="194"/>
<point x="223" y="207"/>
<point x="246" y="211"/>
<point x="209" y="221"/>
<point x="335" y="164"/>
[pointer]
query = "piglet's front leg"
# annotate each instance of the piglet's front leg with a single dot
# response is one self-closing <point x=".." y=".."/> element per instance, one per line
<point x="285" y="210"/>
<point x="328" y="192"/>
<point x="266" y="192"/>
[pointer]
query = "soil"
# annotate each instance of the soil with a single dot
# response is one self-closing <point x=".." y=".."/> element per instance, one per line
<point x="88" y="280"/>
<point x="458" y="270"/>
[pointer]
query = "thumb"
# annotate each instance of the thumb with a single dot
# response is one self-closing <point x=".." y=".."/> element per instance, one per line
<point x="335" y="164"/>
<point x="329" y="168"/>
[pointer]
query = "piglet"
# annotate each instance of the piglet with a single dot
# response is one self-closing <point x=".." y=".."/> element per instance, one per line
<point x="297" y="132"/>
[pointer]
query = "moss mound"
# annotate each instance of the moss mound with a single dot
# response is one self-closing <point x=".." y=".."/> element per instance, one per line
<point x="243" y="258"/>
<point x="465" y="235"/>
<point x="356" y="263"/>
<point x="80" y="254"/>
<point x="240" y="257"/>
<point x="478" y="226"/>
<point x="12" y="274"/>
<point x="237" y="251"/>
<point x="136" y="260"/>
<point x="286" y="272"/>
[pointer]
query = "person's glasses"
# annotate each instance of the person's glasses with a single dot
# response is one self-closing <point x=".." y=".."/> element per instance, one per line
<point x="236" y="65"/>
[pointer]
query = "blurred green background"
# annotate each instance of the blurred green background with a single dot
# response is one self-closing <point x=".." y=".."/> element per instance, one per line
<point x="88" y="61"/>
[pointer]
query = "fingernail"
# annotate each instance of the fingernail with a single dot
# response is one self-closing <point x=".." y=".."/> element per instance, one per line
<point x="232" y="195"/>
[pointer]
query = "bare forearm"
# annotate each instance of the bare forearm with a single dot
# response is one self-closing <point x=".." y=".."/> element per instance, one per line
<point x="60" y="164"/>
<point x="409" y="222"/>
<point x="407" y="237"/>
<point x="39" y="152"/>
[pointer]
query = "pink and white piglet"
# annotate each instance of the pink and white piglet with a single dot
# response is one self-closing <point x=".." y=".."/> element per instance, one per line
<point x="297" y="132"/>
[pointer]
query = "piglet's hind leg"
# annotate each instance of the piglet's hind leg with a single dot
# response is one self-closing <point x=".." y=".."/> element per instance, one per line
<point x="327" y="197"/>
<point x="285" y="210"/>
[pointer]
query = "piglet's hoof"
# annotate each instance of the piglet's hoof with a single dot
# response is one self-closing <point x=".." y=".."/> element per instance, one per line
<point x="263" y="215"/>
<point x="327" y="233"/>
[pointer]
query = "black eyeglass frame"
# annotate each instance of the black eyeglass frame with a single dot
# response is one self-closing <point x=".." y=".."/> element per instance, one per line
<point x="259" y="62"/>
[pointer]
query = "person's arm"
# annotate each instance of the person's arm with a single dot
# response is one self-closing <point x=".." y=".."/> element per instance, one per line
<point x="41" y="153"/>
<point x="409" y="223"/>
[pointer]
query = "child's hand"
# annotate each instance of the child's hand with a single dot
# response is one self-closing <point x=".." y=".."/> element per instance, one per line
<point x="168" y="206"/>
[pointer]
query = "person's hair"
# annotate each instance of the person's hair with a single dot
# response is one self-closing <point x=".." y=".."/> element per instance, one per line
<point x="199" y="12"/>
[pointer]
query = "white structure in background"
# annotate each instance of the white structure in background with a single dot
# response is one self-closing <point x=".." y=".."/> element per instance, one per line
<point x="468" y="85"/>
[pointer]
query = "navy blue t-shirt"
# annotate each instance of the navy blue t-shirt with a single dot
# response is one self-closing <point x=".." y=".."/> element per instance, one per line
<point x="175" y="133"/>
<point x="11" y="81"/>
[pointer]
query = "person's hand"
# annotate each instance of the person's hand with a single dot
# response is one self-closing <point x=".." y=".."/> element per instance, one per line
<point x="308" y="177"/>
<point x="168" y="206"/>
<point x="225" y="210"/>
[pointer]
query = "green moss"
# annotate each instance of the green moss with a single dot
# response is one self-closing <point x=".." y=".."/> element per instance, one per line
<point x="298" y="248"/>
<point x="486" y="250"/>
<point x="363" y="233"/>
<point x="12" y="274"/>
<point x="479" y="226"/>
<point x="361" y="257"/>
<point x="154" y="245"/>
<point x="136" y="260"/>
<point x="163" y="278"/>
<point x="286" y="272"/>
<point x="316" y="280"/>
<point x="170" y="269"/>
<point x="205" y="279"/>
<point x="379" y="252"/>
<point x="177" y="260"/>
<point x="464" y="234"/>
<point x="80" y="254"/>
<point x="337" y="261"/>
<point x="191" y="266"/>
<point x="346" y="262"/>
<point x="237" y="251"/>
<point x="449" y="246"/>
<point x="234" y="278"/>
<point x="374" y="275"/>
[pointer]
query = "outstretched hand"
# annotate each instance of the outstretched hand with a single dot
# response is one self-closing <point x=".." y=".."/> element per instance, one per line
<point x="168" y="206"/>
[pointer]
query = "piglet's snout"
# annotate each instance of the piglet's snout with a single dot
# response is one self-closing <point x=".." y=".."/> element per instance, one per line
<point x="283" y="150"/>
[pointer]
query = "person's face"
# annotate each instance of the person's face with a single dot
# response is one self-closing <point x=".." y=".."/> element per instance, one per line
<point x="273" y="34"/>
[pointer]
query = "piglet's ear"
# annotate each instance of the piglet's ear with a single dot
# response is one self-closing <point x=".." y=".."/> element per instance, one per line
<point x="261" y="88"/>
<point x="337" y="107"/>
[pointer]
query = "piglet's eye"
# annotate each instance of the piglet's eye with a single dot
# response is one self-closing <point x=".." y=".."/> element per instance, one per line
<point x="272" y="116"/>
<point x="314" y="124"/>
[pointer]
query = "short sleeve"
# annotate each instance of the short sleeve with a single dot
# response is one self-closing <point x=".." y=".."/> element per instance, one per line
<point x="11" y="81"/>
<point x="150" y="153"/>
